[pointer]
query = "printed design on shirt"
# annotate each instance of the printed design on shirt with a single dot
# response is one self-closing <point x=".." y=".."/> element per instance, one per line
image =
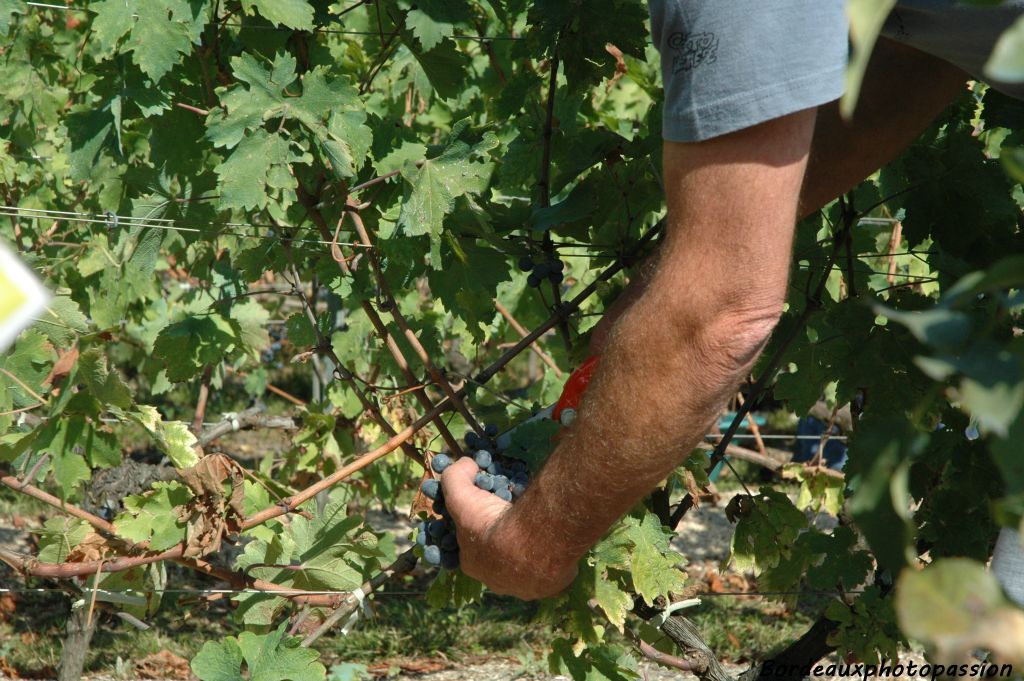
<point x="901" y="30"/>
<point x="693" y="50"/>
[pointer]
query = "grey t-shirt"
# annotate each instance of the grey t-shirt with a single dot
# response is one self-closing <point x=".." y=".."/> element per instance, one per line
<point x="727" y="65"/>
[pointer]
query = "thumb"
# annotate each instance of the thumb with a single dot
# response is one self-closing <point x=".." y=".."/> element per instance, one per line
<point x="470" y="506"/>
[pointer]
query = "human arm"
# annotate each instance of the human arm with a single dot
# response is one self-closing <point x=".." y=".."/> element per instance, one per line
<point x="669" y="365"/>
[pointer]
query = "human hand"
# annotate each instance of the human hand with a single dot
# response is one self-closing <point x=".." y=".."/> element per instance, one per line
<point x="496" y="544"/>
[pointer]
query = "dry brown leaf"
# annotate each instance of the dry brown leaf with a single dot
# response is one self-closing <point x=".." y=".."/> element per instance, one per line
<point x="7" y="670"/>
<point x="210" y="516"/>
<point x="62" y="367"/>
<point x="8" y="607"/>
<point x="692" y="488"/>
<point x="92" y="547"/>
<point x="163" y="665"/>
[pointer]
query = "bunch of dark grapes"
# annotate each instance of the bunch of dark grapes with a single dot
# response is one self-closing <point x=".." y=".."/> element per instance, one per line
<point x="506" y="478"/>
<point x="270" y="355"/>
<point x="554" y="270"/>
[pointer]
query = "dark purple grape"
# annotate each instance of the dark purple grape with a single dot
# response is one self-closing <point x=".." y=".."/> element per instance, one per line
<point x="440" y="462"/>
<point x="472" y="440"/>
<point x="556" y="277"/>
<point x="482" y="458"/>
<point x="533" y="281"/>
<point x="432" y="554"/>
<point x="449" y="560"/>
<point x="500" y="482"/>
<point x="558" y="265"/>
<point x="490" y="430"/>
<point x="525" y="263"/>
<point x="484" y="481"/>
<point x="450" y="542"/>
<point x="518" y="489"/>
<point x="493" y="468"/>
<point x="437" y="529"/>
<point x="421" y="534"/>
<point x="503" y="494"/>
<point x="430" y="488"/>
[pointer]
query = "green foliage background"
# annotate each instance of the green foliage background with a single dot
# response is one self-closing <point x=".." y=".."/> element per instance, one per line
<point x="197" y="145"/>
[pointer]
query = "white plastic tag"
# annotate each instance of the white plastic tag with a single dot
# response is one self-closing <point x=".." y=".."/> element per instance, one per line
<point x="22" y="297"/>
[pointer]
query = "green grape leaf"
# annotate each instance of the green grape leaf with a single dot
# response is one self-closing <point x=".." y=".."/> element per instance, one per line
<point x="428" y="31"/>
<point x="396" y="159"/>
<point x="260" y="160"/>
<point x="1006" y="63"/>
<point x="468" y="285"/>
<point x="655" y="565"/>
<point x="267" y="657"/>
<point x="67" y="456"/>
<point x="172" y="437"/>
<point x="300" y="332"/>
<point x="160" y="37"/>
<point x="580" y="32"/>
<point x="29" y="363"/>
<point x="105" y="385"/>
<point x="337" y="552"/>
<point x="62" y="321"/>
<point x="867" y="630"/>
<point x="439" y="181"/>
<point x="178" y="443"/>
<point x="615" y="602"/>
<point x="866" y="20"/>
<point x="161" y="31"/>
<point x="186" y="347"/>
<point x="881" y="450"/>
<point x="327" y="109"/>
<point x="249" y="320"/>
<point x="840" y="564"/>
<point x="297" y="14"/>
<point x="112" y="19"/>
<point x="431" y="21"/>
<point x="154" y="516"/>
<point x="452" y="588"/>
<point x="766" y="531"/>
<point x="444" y="67"/>
<point x="59" y="536"/>
<point x="955" y="606"/>
<point x="939" y="327"/>
<point x="602" y="662"/>
<point x="531" y="442"/>
<point x="7" y="9"/>
<point x="818" y="490"/>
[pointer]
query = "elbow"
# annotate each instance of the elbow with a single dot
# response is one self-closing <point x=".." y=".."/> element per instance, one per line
<point x="731" y="339"/>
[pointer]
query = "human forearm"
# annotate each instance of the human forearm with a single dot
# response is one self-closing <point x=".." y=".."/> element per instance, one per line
<point x="670" y="363"/>
<point x="658" y="388"/>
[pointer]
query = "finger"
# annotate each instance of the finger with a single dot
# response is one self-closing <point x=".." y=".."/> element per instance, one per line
<point x="469" y="505"/>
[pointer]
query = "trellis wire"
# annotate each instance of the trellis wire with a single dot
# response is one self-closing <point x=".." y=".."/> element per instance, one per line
<point x="112" y="220"/>
<point x="709" y="436"/>
<point x="213" y="592"/>
<point x="316" y="29"/>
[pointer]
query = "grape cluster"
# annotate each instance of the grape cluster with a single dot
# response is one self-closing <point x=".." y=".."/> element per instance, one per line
<point x="553" y="270"/>
<point x="506" y="478"/>
<point x="270" y="355"/>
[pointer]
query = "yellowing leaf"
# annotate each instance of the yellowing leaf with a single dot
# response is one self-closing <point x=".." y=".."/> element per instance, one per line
<point x="955" y="606"/>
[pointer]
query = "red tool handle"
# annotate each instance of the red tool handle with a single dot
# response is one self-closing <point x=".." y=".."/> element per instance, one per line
<point x="574" y="388"/>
